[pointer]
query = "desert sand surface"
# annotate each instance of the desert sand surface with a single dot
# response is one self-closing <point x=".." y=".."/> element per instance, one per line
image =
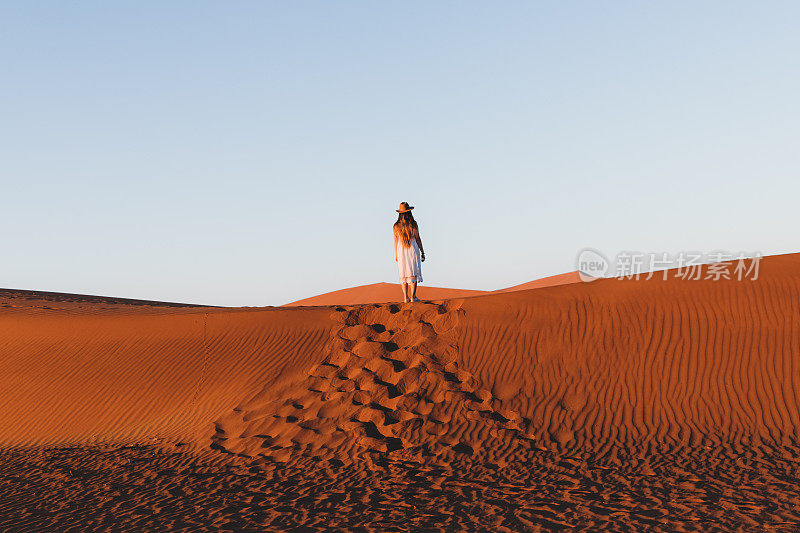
<point x="617" y="405"/>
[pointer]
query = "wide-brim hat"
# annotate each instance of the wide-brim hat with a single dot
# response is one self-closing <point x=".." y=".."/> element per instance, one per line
<point x="404" y="207"/>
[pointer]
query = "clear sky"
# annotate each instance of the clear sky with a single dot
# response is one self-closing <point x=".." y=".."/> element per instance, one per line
<point x="253" y="153"/>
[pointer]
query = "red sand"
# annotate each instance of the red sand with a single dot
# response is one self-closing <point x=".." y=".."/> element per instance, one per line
<point x="610" y="406"/>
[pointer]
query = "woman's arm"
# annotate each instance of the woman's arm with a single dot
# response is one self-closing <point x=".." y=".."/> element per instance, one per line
<point x="421" y="249"/>
<point x="395" y="248"/>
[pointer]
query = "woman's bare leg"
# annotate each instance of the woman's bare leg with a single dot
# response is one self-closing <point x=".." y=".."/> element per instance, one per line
<point x="404" y="288"/>
<point x="413" y="291"/>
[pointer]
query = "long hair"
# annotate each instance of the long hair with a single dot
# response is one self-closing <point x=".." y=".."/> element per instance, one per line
<point x="405" y="229"/>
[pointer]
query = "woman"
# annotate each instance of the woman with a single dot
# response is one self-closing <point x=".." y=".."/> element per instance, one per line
<point x="408" y="252"/>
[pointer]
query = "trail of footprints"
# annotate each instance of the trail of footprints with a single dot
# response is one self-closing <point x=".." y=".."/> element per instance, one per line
<point x="390" y="382"/>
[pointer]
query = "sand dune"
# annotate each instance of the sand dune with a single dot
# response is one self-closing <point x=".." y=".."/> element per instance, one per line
<point x="388" y="292"/>
<point x="550" y="281"/>
<point x="645" y="404"/>
<point x="380" y="293"/>
<point x="10" y="298"/>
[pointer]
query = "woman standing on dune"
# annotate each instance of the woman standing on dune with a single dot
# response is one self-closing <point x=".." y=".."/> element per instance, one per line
<point x="408" y="252"/>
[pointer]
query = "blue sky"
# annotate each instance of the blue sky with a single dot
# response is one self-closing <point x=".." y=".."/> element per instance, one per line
<point x="253" y="153"/>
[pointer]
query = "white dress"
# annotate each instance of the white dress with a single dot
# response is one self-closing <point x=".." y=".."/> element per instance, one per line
<point x="409" y="262"/>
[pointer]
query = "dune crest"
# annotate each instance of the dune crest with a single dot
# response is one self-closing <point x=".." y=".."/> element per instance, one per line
<point x="549" y="281"/>
<point x="380" y="293"/>
<point x="387" y="292"/>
